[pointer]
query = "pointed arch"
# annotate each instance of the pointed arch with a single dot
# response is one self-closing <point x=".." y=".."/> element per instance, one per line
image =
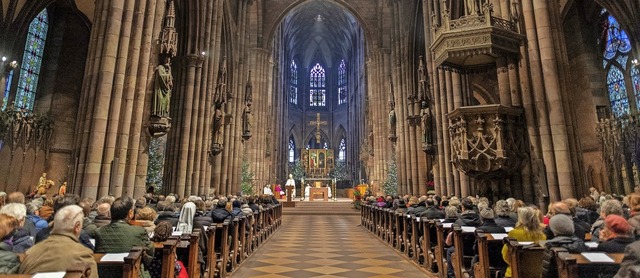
<point x="310" y="140"/>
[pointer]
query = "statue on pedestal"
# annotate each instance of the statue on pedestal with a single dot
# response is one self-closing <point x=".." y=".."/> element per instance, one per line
<point x="163" y="85"/>
<point x="247" y="117"/>
<point x="219" y="99"/>
<point x="426" y="117"/>
<point x="392" y="114"/>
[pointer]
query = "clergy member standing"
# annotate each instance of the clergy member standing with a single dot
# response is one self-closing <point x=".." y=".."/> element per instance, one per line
<point x="291" y="182"/>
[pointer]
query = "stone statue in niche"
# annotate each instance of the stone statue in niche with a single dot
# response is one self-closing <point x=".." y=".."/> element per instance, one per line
<point x="219" y="99"/>
<point x="392" y="114"/>
<point x="163" y="84"/>
<point x="392" y="120"/>
<point x="472" y="7"/>
<point x="422" y="82"/>
<point x="426" y="121"/>
<point x="247" y="117"/>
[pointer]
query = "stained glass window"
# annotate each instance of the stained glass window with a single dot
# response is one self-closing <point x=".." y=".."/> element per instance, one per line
<point x="7" y="89"/>
<point x="292" y="150"/>
<point x="617" y="48"/>
<point x="293" y="83"/>
<point x="617" y="92"/>
<point x="342" y="83"/>
<point x="342" y="150"/>
<point x="317" y="84"/>
<point x="31" y="61"/>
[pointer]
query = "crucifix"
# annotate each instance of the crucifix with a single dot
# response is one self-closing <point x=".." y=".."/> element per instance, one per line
<point x="317" y="123"/>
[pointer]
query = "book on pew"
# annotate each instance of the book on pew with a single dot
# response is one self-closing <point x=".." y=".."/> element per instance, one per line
<point x="498" y="236"/>
<point x="114" y="257"/>
<point x="597" y="257"/>
<point x="59" y="274"/>
<point x="591" y="244"/>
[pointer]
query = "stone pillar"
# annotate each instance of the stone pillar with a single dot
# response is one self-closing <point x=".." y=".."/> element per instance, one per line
<point x="554" y="97"/>
<point x="514" y="83"/>
<point x="504" y="89"/>
<point x="537" y="82"/>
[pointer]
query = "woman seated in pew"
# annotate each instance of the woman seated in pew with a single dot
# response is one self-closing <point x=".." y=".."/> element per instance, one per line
<point x="563" y="230"/>
<point x="528" y="228"/>
<point x="615" y="235"/>
<point x="187" y="225"/>
<point x="160" y="234"/>
<point x="9" y="262"/>
<point x="145" y="218"/>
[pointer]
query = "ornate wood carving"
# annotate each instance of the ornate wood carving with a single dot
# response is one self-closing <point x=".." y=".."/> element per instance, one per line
<point x="487" y="140"/>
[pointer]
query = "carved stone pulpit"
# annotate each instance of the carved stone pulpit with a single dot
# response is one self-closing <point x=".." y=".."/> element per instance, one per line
<point x="289" y="189"/>
<point x="487" y="140"/>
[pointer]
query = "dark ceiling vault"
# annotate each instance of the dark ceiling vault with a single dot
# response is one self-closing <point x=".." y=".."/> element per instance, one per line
<point x="320" y="26"/>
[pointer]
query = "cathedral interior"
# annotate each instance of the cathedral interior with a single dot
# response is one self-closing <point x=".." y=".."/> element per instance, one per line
<point x="533" y="99"/>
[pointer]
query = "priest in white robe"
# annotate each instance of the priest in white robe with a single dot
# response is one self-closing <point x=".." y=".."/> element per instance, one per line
<point x="306" y="191"/>
<point x="267" y="190"/>
<point x="291" y="182"/>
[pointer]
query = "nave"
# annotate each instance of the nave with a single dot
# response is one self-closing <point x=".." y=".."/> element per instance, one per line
<point x="325" y="246"/>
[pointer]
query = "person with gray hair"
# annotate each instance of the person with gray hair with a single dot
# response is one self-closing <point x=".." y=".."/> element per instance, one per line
<point x="501" y="211"/>
<point x="64" y="239"/>
<point x="33" y="215"/>
<point x="22" y="238"/>
<point x="607" y="207"/>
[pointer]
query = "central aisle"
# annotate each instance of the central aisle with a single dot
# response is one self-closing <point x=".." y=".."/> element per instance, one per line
<point x="325" y="246"/>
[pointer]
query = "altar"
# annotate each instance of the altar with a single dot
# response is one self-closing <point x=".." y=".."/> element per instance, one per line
<point x="319" y="191"/>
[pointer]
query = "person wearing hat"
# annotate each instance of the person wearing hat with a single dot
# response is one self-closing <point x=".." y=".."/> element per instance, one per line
<point x="488" y="223"/>
<point x="563" y="230"/>
<point x="615" y="235"/>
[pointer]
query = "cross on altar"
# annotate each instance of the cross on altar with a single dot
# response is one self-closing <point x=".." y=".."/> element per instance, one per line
<point x="317" y="123"/>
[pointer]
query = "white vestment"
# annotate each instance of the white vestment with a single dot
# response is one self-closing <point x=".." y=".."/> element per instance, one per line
<point x="267" y="191"/>
<point x="329" y="191"/>
<point x="293" y="183"/>
<point x="306" y="191"/>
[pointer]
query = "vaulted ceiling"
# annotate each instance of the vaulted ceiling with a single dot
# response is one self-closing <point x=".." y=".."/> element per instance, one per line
<point x="320" y="29"/>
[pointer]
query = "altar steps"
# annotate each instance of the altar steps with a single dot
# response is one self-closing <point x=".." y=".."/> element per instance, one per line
<point x="321" y="208"/>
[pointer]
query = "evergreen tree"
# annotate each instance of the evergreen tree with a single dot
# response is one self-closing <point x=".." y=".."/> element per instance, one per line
<point x="247" y="178"/>
<point x="155" y="166"/>
<point x="297" y="170"/>
<point x="339" y="172"/>
<point x="391" y="183"/>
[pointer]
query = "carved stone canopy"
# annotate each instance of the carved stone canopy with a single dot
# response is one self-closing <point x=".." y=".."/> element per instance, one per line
<point x="487" y="140"/>
<point x="475" y="40"/>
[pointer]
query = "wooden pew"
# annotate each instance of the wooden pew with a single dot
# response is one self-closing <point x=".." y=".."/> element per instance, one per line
<point x="167" y="250"/>
<point x="130" y="268"/>
<point x="525" y="261"/>
<point x="487" y="264"/>
<point x="187" y="252"/>
<point x="398" y="231"/>
<point x="440" y="250"/>
<point x="429" y="244"/>
<point x="391" y="227"/>
<point x="414" y="250"/>
<point x="210" y="263"/>
<point x="222" y="248"/>
<point x="576" y="265"/>
<point x="255" y="241"/>
<point x="233" y="253"/>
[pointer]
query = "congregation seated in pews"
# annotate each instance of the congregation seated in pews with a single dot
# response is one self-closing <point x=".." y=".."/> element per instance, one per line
<point x="471" y="237"/>
<point x="152" y="236"/>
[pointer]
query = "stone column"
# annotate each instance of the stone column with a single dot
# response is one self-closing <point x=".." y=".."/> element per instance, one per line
<point x="504" y="89"/>
<point x="537" y="82"/>
<point x="554" y="97"/>
<point x="514" y="83"/>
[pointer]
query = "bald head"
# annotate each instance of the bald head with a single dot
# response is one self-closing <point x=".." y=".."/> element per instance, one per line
<point x="104" y="209"/>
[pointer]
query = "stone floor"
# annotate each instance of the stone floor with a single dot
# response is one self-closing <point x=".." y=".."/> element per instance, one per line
<point x="325" y="246"/>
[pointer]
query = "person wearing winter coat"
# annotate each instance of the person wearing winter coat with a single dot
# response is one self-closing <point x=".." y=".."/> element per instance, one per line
<point x="9" y="261"/>
<point x="616" y="235"/>
<point x="563" y="230"/>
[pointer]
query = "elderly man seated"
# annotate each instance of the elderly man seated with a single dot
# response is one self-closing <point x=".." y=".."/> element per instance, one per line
<point x="64" y="239"/>
<point x="120" y="237"/>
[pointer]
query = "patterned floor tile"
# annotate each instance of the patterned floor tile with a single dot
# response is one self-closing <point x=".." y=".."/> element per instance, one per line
<point x="325" y="246"/>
